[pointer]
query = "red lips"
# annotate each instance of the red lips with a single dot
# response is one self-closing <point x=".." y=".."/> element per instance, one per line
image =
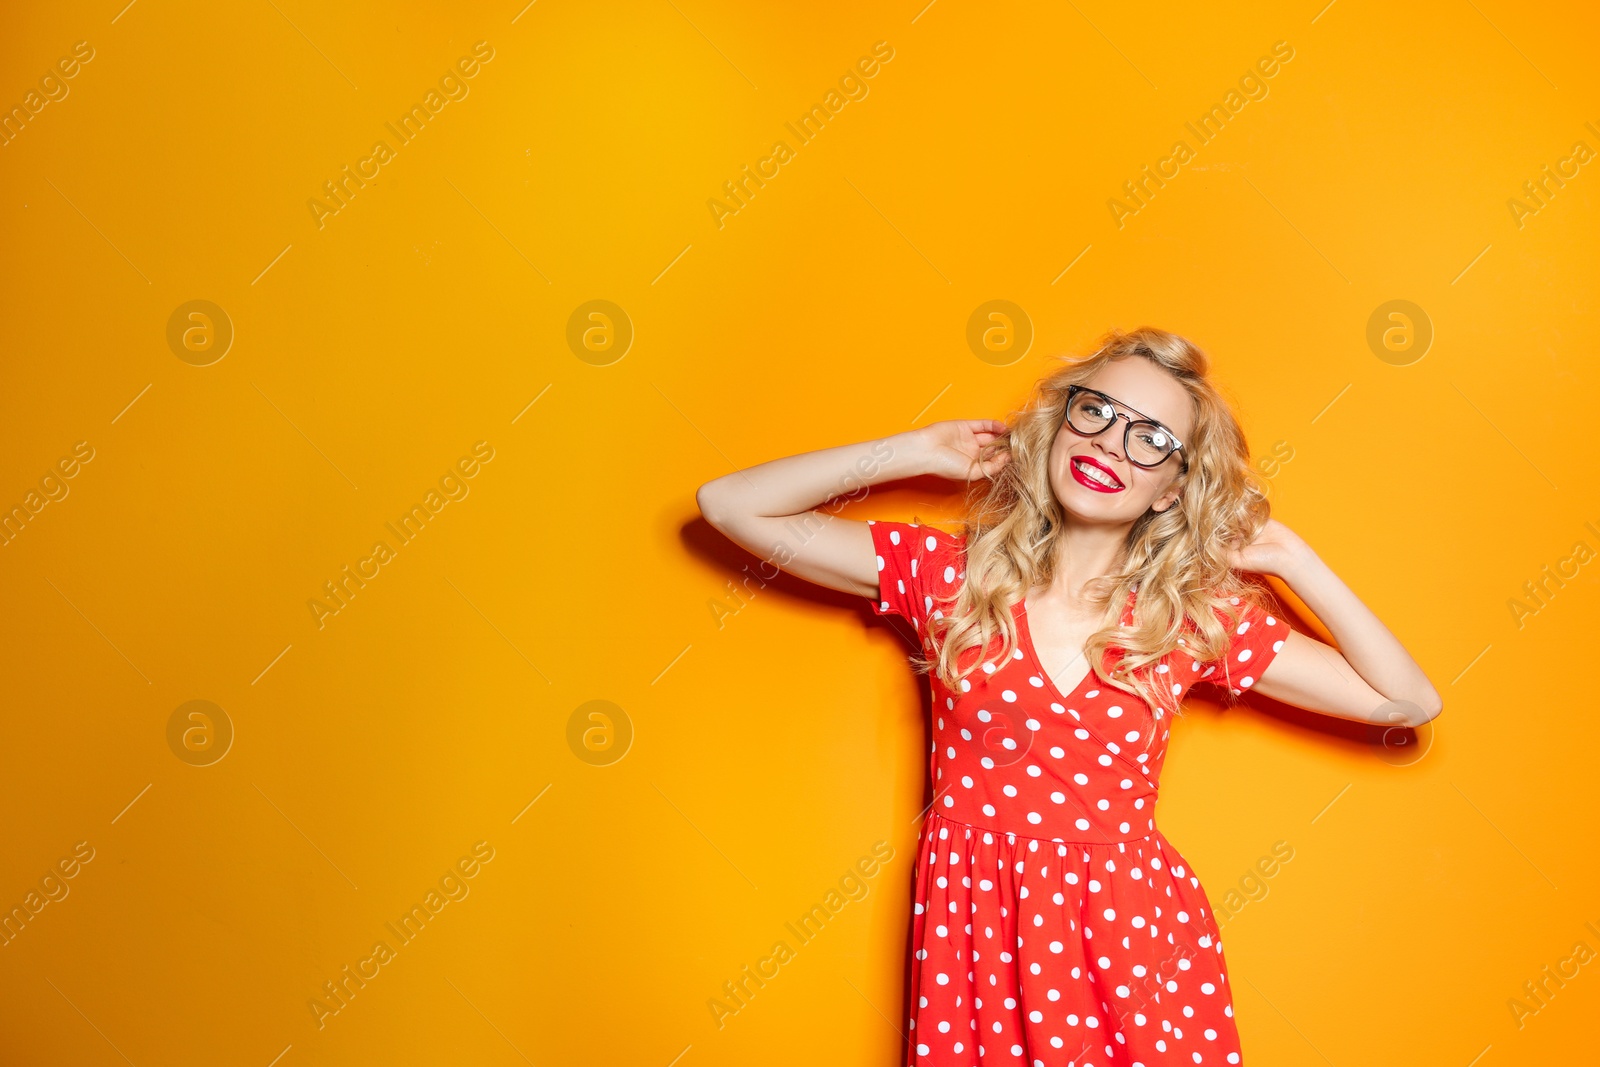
<point x="1084" y="480"/>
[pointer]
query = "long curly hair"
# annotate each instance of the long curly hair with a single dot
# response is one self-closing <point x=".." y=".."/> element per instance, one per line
<point x="1176" y="560"/>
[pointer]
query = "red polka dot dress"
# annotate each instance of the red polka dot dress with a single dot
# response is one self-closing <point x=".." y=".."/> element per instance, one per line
<point x="1054" y="925"/>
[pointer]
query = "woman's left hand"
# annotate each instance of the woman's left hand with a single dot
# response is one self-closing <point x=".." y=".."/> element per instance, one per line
<point x="1275" y="551"/>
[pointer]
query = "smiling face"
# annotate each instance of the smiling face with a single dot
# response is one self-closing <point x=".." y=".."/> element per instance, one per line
<point x="1081" y="467"/>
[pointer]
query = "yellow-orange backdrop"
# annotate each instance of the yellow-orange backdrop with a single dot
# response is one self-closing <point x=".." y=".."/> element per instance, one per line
<point x="182" y="879"/>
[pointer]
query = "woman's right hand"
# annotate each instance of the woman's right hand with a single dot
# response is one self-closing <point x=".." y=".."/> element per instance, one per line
<point x="952" y="448"/>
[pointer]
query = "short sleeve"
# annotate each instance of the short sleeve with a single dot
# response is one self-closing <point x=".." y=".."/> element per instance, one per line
<point x="1255" y="641"/>
<point x="919" y="568"/>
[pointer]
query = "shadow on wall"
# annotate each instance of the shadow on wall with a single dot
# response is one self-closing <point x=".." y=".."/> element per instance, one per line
<point x="750" y="579"/>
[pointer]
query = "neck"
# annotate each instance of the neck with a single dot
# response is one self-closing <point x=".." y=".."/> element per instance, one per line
<point x="1086" y="552"/>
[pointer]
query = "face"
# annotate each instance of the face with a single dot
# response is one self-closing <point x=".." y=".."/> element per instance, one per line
<point x="1139" y="387"/>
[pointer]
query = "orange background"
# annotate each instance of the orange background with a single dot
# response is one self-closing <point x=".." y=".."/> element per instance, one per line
<point x="771" y="747"/>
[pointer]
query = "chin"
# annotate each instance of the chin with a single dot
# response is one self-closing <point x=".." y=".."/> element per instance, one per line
<point x="1097" y="508"/>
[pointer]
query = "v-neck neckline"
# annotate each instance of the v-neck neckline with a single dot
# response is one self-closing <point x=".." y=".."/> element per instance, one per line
<point x="1025" y="635"/>
<point x="1025" y="641"/>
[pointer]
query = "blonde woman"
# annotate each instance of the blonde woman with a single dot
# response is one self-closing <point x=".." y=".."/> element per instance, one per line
<point x="1098" y="575"/>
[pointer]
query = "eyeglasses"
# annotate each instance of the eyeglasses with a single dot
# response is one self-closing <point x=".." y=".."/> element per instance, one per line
<point x="1089" y="413"/>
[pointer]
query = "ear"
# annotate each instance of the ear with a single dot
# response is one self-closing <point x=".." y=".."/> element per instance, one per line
<point x="1166" y="502"/>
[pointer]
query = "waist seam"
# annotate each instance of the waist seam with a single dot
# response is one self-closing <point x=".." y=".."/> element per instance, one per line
<point x="1154" y="833"/>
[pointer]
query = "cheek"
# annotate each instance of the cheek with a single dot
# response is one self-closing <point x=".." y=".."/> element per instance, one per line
<point x="1146" y="488"/>
<point x="1149" y="487"/>
<point x="1060" y="472"/>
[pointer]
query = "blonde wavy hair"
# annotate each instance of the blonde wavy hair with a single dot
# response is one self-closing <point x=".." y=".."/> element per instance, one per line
<point x="1176" y="559"/>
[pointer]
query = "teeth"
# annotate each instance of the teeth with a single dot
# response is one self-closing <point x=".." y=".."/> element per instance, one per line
<point x="1097" y="474"/>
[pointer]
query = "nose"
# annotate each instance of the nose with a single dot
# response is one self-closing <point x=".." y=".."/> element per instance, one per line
<point x="1109" y="440"/>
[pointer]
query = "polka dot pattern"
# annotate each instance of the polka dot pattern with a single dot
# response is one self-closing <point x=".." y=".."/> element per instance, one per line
<point x="1054" y="923"/>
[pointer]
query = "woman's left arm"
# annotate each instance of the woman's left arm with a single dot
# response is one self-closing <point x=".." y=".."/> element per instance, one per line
<point x="1370" y="671"/>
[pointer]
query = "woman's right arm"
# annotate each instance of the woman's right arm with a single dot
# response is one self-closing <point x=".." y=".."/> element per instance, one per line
<point x="770" y="509"/>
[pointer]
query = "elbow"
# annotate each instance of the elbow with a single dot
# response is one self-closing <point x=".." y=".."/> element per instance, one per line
<point x="705" y="499"/>
<point x="1431" y="704"/>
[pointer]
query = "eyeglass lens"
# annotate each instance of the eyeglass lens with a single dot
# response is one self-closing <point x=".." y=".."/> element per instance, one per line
<point x="1148" y="443"/>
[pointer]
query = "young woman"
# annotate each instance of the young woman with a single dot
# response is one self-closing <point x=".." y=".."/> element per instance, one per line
<point x="1097" y="577"/>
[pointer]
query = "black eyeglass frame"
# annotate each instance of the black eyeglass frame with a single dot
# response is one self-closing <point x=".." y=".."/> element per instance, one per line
<point x="1072" y="393"/>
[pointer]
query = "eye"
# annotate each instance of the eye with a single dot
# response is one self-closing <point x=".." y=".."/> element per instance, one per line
<point x="1092" y="408"/>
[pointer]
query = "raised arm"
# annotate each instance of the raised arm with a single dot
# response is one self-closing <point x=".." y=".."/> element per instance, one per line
<point x="1368" y="671"/>
<point x="770" y="509"/>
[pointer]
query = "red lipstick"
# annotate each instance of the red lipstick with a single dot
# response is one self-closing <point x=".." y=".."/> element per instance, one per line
<point x="1089" y="481"/>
